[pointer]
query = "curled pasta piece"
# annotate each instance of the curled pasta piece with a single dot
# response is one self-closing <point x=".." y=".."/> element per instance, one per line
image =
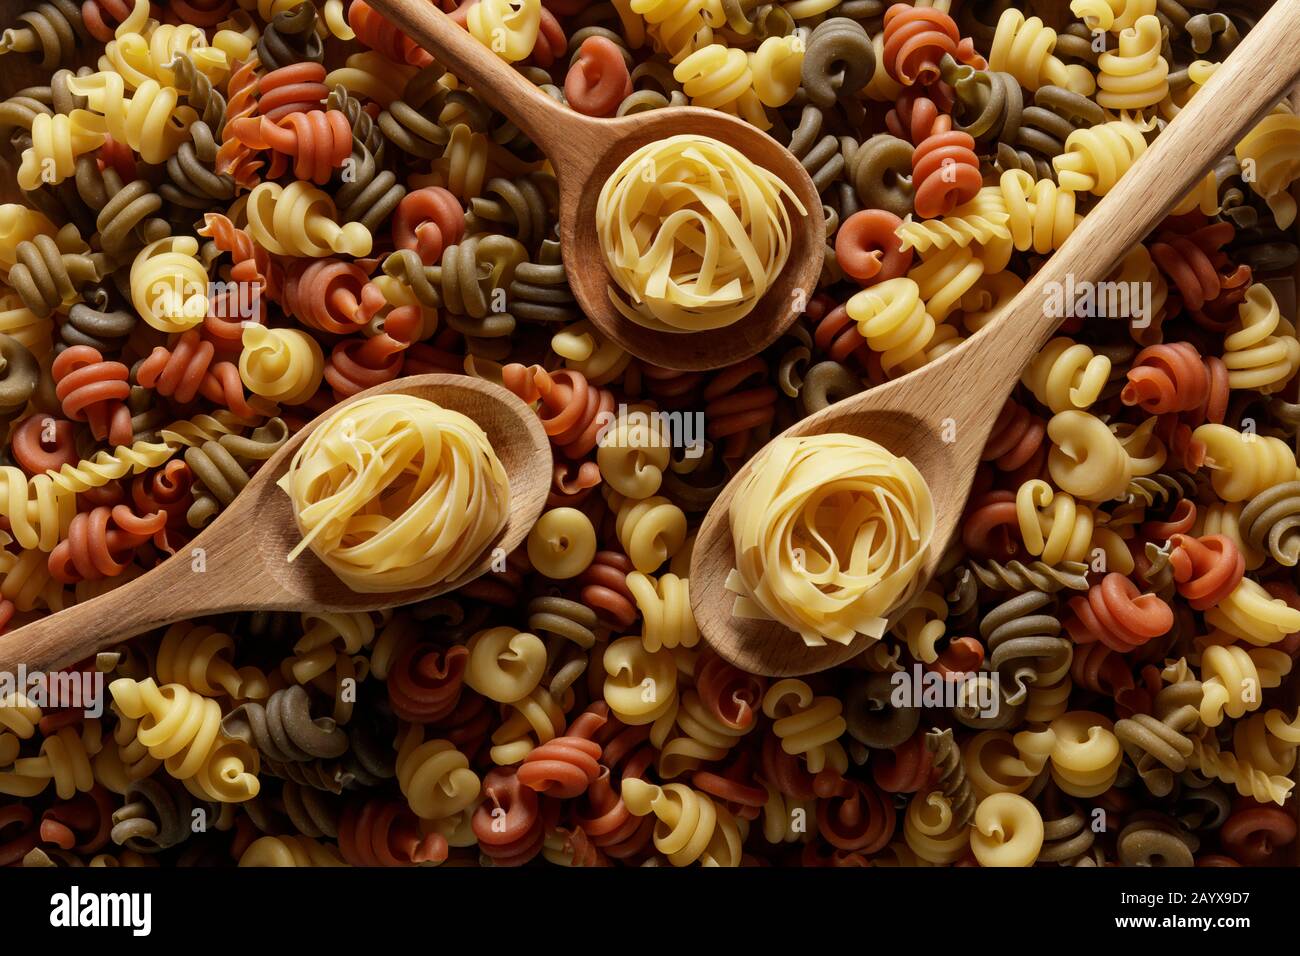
<point x="1086" y="755"/>
<point x="434" y="776"/>
<point x="1096" y="157"/>
<point x="1024" y="48"/>
<point x="169" y="286"/>
<point x="1260" y="351"/>
<point x="509" y="28"/>
<point x="1067" y="374"/>
<point x="300" y="220"/>
<point x="282" y="365"/>
<point x="562" y="543"/>
<point x="150" y="120"/>
<point x="598" y="80"/>
<point x="665" y="607"/>
<point x="916" y="39"/>
<point x="1134" y="76"/>
<point x="1007" y="831"/>
<point x="1117" y="614"/>
<point x="1244" y="464"/>
<point x="894" y="321"/>
<point x="183" y="730"/>
<point x="505" y="665"/>
<point x="641" y="685"/>
<point x="807" y="725"/>
<point x="651" y="530"/>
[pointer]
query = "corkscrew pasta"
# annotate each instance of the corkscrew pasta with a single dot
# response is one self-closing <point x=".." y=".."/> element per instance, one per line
<point x="241" y="213"/>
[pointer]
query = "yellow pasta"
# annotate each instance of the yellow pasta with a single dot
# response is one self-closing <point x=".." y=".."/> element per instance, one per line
<point x="505" y="665"/>
<point x="1007" y="831"/>
<point x="1086" y="755"/>
<point x="634" y="452"/>
<point x="665" y="606"/>
<point x="1024" y="48"/>
<point x="690" y="827"/>
<point x="64" y="760"/>
<point x="395" y="492"/>
<point x="946" y="275"/>
<point x="1253" y="615"/>
<point x="143" y="49"/>
<point x="719" y="77"/>
<point x="1243" y="464"/>
<point x="300" y="220"/>
<point x="931" y="830"/>
<point x="894" y="321"/>
<point x="198" y="657"/>
<point x="651" y="530"/>
<point x="922" y="624"/>
<point x="284" y="365"/>
<point x="1135" y="76"/>
<point x="289" y="851"/>
<point x="530" y="722"/>
<point x="807" y="725"/>
<point x="1233" y="680"/>
<point x="1270" y="158"/>
<point x="1095" y="158"/>
<point x="1087" y="460"/>
<point x="373" y="76"/>
<point x="507" y="27"/>
<point x="982" y="220"/>
<point x="776" y="66"/>
<point x="1260" y="349"/>
<point x="1113" y="15"/>
<point x="1040" y="214"/>
<point x="829" y="531"/>
<point x="562" y="543"/>
<point x="433" y="775"/>
<point x="57" y="141"/>
<point x="641" y="685"/>
<point x="1063" y="534"/>
<point x="169" y="286"/>
<point x="183" y="730"/>
<point x="150" y="120"/>
<point x="1067" y="374"/>
<point x="693" y="233"/>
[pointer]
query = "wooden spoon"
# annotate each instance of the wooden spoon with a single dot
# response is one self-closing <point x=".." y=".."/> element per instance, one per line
<point x="960" y="394"/>
<point x="585" y="151"/>
<point x="244" y="551"/>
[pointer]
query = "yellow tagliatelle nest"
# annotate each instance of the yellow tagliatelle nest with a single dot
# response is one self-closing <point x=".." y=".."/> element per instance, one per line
<point x="693" y="233"/>
<point x="830" y="532"/>
<point x="395" y="492"/>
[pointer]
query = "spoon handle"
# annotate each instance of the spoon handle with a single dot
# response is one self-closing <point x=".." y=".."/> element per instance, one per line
<point x="174" y="591"/>
<point x="1262" y="68"/>
<point x="547" y="122"/>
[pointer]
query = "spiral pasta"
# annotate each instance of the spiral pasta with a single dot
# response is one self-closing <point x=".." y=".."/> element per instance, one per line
<point x="247" y="210"/>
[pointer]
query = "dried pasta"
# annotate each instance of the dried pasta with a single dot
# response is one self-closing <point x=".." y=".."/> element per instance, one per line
<point x="397" y="492"/>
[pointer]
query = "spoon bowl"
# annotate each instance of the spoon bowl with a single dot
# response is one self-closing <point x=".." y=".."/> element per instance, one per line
<point x="240" y="561"/>
<point x="584" y="152"/>
<point x="941" y="415"/>
<point x="768" y="647"/>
